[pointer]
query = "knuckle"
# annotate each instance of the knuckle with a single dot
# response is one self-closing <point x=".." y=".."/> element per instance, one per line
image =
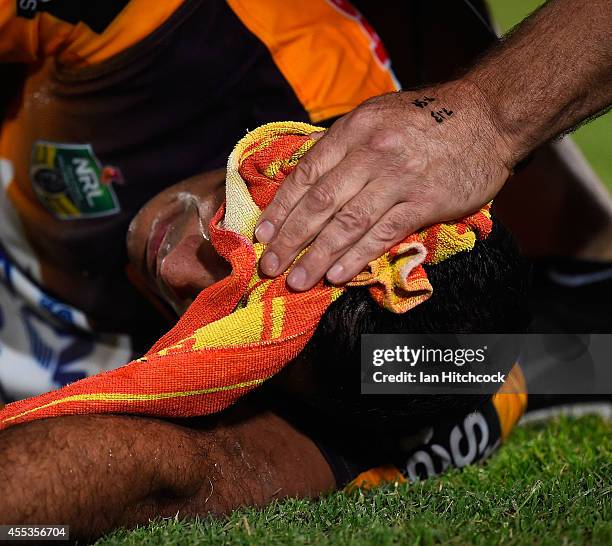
<point x="385" y="141"/>
<point x="305" y="173"/>
<point x="360" y="255"/>
<point x="390" y="230"/>
<point x="289" y="237"/>
<point x="279" y="207"/>
<point x="359" y="118"/>
<point x="319" y="199"/>
<point x="354" y="218"/>
<point x="413" y="163"/>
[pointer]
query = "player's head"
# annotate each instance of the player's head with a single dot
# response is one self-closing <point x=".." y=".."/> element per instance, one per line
<point x="481" y="291"/>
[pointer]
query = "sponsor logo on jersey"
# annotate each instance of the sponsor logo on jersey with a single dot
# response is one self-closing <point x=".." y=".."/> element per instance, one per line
<point x="27" y="8"/>
<point x="70" y="181"/>
<point x="467" y="442"/>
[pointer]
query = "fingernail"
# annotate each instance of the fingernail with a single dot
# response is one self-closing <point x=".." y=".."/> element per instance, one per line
<point x="334" y="275"/>
<point x="297" y="278"/>
<point x="317" y="135"/>
<point x="264" y="232"/>
<point x="269" y="263"/>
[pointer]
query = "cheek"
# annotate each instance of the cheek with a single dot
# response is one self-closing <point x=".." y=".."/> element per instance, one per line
<point x="136" y="239"/>
<point x="138" y="233"/>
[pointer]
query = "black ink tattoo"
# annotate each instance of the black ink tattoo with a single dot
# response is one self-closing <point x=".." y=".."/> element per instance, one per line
<point x="422" y="103"/>
<point x="441" y="115"/>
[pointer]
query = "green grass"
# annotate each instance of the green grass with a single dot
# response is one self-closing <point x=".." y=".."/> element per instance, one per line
<point x="549" y="485"/>
<point x="594" y="138"/>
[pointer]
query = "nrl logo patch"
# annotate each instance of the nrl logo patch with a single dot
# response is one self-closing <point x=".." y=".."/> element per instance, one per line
<point x="70" y="181"/>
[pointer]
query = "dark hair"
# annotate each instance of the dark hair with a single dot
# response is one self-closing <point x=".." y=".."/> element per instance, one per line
<point x="481" y="291"/>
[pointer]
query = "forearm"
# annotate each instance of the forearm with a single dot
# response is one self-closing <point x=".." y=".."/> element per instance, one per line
<point x="552" y="72"/>
<point x="99" y="472"/>
<point x="403" y="161"/>
<point x="91" y="472"/>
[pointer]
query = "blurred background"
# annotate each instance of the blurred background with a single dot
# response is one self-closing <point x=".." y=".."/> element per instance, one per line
<point x="595" y="138"/>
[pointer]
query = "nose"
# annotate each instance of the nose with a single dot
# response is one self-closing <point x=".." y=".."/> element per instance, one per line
<point x="192" y="265"/>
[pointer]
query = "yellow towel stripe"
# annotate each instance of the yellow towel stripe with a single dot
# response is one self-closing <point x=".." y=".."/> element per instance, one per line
<point x="278" y="317"/>
<point x="241" y="212"/>
<point x="127" y="397"/>
<point x="275" y="166"/>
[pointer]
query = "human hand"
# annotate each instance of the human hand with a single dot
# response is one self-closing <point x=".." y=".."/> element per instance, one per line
<point x="398" y="162"/>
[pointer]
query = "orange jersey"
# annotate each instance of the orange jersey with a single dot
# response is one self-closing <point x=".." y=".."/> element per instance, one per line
<point x="459" y="442"/>
<point x="124" y="100"/>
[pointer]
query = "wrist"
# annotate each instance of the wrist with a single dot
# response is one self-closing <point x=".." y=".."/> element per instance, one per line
<point x="509" y="141"/>
<point x="479" y="122"/>
<point x="520" y="126"/>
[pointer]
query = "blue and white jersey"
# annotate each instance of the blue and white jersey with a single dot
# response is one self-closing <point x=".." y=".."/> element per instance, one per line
<point x="45" y="343"/>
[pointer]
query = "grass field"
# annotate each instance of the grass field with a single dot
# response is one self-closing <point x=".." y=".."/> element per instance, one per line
<point x="550" y="485"/>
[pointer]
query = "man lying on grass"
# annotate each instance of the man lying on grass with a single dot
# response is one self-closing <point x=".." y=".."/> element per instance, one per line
<point x="304" y="432"/>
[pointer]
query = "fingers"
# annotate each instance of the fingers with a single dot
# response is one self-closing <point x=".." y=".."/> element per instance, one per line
<point x="394" y="226"/>
<point x="323" y="157"/>
<point x="317" y="207"/>
<point x="346" y="228"/>
<point x="354" y="211"/>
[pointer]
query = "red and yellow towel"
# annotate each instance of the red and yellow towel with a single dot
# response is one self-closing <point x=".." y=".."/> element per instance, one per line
<point x="244" y="329"/>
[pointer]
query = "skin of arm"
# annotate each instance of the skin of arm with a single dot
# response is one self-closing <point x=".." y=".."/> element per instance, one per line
<point x="557" y="73"/>
<point x="96" y="473"/>
<point x="401" y="161"/>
